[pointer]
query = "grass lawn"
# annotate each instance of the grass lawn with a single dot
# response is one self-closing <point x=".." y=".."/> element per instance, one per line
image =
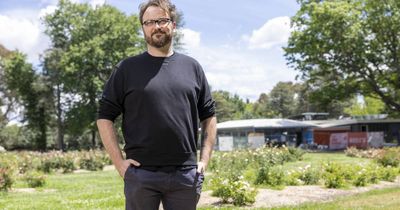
<point x="104" y="190"/>
<point x="92" y="190"/>
<point x="318" y="158"/>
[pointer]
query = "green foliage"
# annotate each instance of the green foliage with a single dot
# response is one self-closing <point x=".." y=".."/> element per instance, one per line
<point x="16" y="137"/>
<point x="32" y="92"/>
<point x="334" y="176"/>
<point x="55" y="161"/>
<point x="359" y="153"/>
<point x="310" y="175"/>
<point x="35" y="179"/>
<point x="343" y="48"/>
<point x="91" y="161"/>
<point x="282" y="97"/>
<point x="272" y="176"/>
<point x="370" y="106"/>
<point x="234" y="190"/>
<point x="389" y="157"/>
<point x="6" y="179"/>
<point x="87" y="43"/>
<point x="389" y="173"/>
<point x="361" y="178"/>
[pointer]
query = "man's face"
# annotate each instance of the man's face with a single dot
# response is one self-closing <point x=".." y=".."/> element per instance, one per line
<point x="157" y="27"/>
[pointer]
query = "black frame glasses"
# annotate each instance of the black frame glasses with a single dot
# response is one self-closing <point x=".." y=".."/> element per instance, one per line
<point x="162" y="22"/>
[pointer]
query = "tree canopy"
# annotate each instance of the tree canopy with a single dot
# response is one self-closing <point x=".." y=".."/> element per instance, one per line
<point x="348" y="47"/>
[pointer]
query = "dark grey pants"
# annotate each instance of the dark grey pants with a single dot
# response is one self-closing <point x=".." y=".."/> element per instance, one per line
<point x="179" y="189"/>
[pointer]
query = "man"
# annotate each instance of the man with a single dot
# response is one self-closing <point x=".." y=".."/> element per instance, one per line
<point x="163" y="95"/>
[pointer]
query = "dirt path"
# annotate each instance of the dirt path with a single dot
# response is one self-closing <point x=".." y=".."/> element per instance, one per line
<point x="294" y="195"/>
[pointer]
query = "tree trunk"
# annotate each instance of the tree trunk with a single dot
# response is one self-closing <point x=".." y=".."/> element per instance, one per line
<point x="60" y="126"/>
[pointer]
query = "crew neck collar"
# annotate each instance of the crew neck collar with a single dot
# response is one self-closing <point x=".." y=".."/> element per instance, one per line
<point x="162" y="57"/>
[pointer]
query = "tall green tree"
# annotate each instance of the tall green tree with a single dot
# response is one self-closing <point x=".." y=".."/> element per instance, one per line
<point x="262" y="108"/>
<point x="309" y="99"/>
<point x="87" y="43"/>
<point x="6" y="99"/>
<point x="369" y="106"/>
<point x="32" y="93"/>
<point x="348" y="47"/>
<point x="230" y="106"/>
<point x="282" y="99"/>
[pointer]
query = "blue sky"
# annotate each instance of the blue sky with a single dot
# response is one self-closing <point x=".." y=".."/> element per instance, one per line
<point x="238" y="43"/>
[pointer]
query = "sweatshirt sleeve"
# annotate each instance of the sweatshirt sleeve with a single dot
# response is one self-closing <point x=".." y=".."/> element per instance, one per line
<point x="205" y="104"/>
<point x="111" y="101"/>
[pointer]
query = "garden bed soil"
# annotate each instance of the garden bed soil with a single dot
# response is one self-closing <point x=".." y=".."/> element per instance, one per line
<point x="294" y="195"/>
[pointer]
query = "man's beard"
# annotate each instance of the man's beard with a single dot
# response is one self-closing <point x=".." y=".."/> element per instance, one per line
<point x="164" y="40"/>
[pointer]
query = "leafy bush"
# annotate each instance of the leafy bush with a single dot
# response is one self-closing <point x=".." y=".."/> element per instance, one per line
<point x="271" y="176"/>
<point x="234" y="190"/>
<point x="310" y="175"/>
<point x="334" y="176"/>
<point x="389" y="174"/>
<point x="35" y="179"/>
<point x="360" y="153"/>
<point x="293" y="178"/>
<point x="389" y="157"/>
<point x="361" y="178"/>
<point x="6" y="180"/>
<point x="91" y="160"/>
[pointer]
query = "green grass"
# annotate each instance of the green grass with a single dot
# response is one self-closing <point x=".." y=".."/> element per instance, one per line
<point x="93" y="190"/>
<point x="104" y="190"/>
<point x="316" y="159"/>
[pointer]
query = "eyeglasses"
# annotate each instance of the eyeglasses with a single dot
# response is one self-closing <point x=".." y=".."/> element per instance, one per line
<point x="162" y="22"/>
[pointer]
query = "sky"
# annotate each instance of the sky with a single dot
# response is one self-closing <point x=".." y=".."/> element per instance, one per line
<point x="238" y="43"/>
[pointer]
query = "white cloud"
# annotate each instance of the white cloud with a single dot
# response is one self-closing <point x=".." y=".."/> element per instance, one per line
<point x="50" y="9"/>
<point x="190" y="38"/>
<point x="239" y="70"/>
<point x="274" y="32"/>
<point x="23" y="29"/>
<point x="20" y="33"/>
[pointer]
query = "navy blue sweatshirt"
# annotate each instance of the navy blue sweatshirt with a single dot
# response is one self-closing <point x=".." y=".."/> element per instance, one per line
<point x="162" y="100"/>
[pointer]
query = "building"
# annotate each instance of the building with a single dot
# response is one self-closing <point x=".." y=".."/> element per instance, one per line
<point x="239" y="134"/>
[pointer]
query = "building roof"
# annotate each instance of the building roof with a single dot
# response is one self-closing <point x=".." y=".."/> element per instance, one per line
<point x="263" y="123"/>
<point x="287" y="123"/>
<point x="337" y="123"/>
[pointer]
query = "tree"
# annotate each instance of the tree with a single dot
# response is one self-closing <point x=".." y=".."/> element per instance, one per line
<point x="86" y="45"/>
<point x="282" y="99"/>
<point x="32" y="92"/>
<point x="369" y="106"/>
<point x="348" y="47"/>
<point x="6" y="99"/>
<point x="319" y="100"/>
<point x="261" y="108"/>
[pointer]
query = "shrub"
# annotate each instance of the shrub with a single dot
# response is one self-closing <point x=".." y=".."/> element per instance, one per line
<point x="310" y="175"/>
<point x="293" y="178"/>
<point x="374" y="174"/>
<point x="389" y="157"/>
<point x="360" y="153"/>
<point x="92" y="161"/>
<point x="271" y="176"/>
<point x="295" y="153"/>
<point x="334" y="176"/>
<point x="234" y="190"/>
<point x="389" y="173"/>
<point x="6" y="180"/>
<point x="35" y="179"/>
<point x="361" y="178"/>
